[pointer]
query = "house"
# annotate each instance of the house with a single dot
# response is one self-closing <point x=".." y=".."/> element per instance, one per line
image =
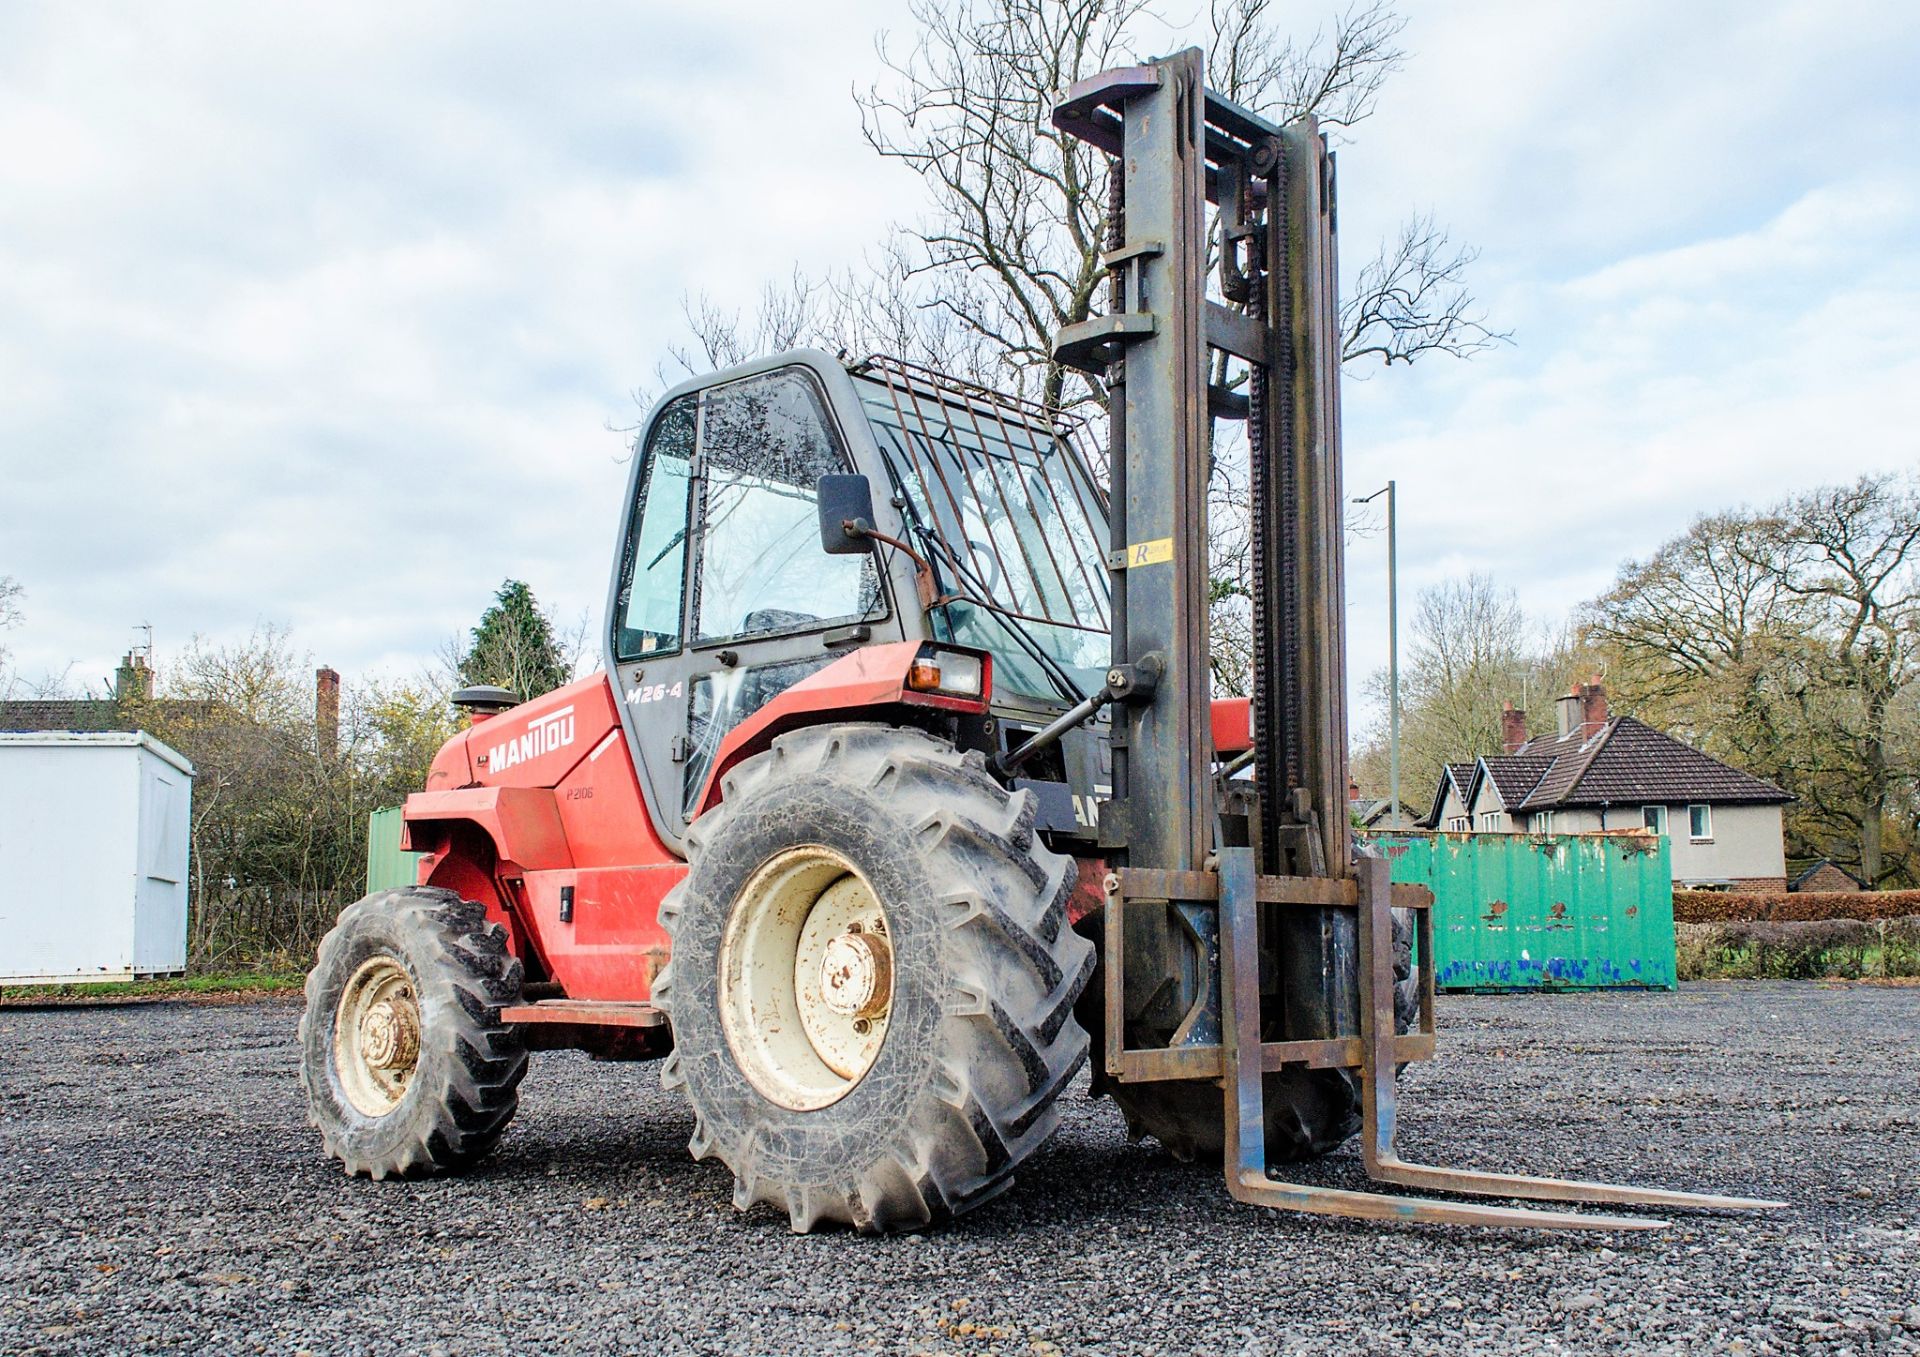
<point x="1826" y="876"/>
<point x="132" y="687"/>
<point x="133" y="699"/>
<point x="1376" y="812"/>
<point x="1601" y="772"/>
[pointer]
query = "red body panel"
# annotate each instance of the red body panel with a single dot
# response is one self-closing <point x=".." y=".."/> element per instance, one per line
<point x="869" y="678"/>
<point x="1232" y="725"/>
<point x="545" y="797"/>
<point x="523" y="822"/>
<point x="551" y="790"/>
<point x="1089" y="889"/>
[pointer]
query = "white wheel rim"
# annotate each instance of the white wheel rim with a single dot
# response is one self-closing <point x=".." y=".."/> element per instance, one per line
<point x="376" y="1036"/>
<point x="806" y="978"/>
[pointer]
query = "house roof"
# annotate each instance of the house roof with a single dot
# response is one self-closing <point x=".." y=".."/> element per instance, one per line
<point x="1378" y="810"/>
<point x="61" y="714"/>
<point x="1820" y="864"/>
<point x="1624" y="761"/>
<point x="1514" y="775"/>
<point x="1458" y="776"/>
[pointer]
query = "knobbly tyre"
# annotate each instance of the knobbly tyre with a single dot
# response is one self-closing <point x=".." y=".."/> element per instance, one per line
<point x="903" y="788"/>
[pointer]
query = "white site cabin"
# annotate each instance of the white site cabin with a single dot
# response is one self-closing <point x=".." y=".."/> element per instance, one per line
<point x="93" y="857"/>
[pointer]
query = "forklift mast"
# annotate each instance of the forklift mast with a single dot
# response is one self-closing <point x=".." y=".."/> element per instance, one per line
<point x="1179" y="147"/>
<point x="1293" y="929"/>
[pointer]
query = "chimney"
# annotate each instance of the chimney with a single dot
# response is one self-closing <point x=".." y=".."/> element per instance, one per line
<point x="133" y="680"/>
<point x="1569" y="712"/>
<point x="1582" y="712"/>
<point x="1513" y="727"/>
<point x="1593" y="697"/>
<point x="326" y="711"/>
<point x="1353" y="790"/>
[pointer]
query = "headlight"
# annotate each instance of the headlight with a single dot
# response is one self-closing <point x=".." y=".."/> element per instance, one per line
<point x="954" y="673"/>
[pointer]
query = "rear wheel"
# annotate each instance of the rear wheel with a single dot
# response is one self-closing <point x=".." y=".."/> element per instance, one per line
<point x="405" y="1062"/>
<point x="873" y="980"/>
<point x="1308" y="1112"/>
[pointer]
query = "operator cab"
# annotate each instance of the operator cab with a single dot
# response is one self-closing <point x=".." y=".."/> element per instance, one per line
<point x="724" y="594"/>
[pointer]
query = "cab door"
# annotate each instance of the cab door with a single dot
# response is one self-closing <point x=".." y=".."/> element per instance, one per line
<point x="725" y="598"/>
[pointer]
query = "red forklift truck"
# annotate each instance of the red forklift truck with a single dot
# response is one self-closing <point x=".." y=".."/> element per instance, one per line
<point x="903" y="788"/>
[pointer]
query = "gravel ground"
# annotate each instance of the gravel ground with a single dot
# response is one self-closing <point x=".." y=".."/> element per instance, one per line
<point x="159" y="1191"/>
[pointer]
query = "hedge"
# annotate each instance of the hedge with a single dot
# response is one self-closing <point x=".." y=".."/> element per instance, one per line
<point x="1799" y="949"/>
<point x="1704" y="907"/>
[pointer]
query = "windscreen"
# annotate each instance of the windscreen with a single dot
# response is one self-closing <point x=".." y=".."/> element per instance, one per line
<point x="1011" y="514"/>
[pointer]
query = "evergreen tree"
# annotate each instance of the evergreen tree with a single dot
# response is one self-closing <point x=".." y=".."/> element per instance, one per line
<point x="514" y="645"/>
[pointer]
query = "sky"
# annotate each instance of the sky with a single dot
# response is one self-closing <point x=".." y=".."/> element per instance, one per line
<point x="331" y="317"/>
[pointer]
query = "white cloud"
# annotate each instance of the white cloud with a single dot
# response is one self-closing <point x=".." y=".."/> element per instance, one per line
<point x="322" y="314"/>
<point x="1702" y="223"/>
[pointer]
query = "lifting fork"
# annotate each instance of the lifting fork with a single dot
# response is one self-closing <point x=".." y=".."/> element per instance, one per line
<point x="1246" y="1167"/>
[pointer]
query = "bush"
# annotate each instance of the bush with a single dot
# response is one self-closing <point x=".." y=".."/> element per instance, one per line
<point x="1800" y="949"/>
<point x="1703" y="907"/>
<point x="280" y="803"/>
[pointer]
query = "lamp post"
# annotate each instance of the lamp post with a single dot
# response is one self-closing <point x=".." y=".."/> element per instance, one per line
<point x="1393" y="647"/>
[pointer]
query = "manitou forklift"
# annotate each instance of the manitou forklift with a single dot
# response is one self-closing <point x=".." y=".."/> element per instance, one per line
<point x="903" y="788"/>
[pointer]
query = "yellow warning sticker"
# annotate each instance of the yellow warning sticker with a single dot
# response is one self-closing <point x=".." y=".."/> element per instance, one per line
<point x="1157" y="552"/>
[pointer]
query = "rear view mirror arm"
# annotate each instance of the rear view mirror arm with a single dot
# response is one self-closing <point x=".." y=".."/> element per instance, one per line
<point x="923" y="577"/>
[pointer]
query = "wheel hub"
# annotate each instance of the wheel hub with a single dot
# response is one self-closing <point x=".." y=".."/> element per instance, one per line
<point x="856" y="974"/>
<point x="806" y="978"/>
<point x="389" y="1036"/>
<point x="376" y="1036"/>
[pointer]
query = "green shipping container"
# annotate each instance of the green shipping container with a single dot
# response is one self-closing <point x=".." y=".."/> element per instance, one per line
<point x="1543" y="911"/>
<point x="388" y="868"/>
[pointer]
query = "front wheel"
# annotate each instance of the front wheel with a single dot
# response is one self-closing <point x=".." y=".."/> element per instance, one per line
<point x="873" y="980"/>
<point x="405" y="1062"/>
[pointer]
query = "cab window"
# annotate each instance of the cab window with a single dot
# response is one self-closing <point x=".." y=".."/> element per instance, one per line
<point x="764" y="443"/>
<point x="656" y="566"/>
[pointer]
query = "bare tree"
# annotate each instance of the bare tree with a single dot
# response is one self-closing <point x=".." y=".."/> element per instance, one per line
<point x="1856" y="563"/>
<point x="1009" y="248"/>
<point x="853" y="312"/>
<point x="787" y="316"/>
<point x="1412" y="299"/>
<point x="11" y="595"/>
<point x="1473" y="650"/>
<point x="1690" y="633"/>
<point x="1335" y="75"/>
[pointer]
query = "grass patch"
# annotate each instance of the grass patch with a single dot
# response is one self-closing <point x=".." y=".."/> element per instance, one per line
<point x="212" y="985"/>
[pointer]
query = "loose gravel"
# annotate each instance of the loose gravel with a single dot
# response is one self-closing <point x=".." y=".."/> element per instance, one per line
<point x="160" y="1192"/>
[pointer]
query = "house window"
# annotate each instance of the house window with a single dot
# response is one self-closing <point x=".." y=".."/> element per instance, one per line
<point x="1459" y="824"/>
<point x="1543" y="822"/>
<point x="1700" y="822"/>
<point x="1489" y="820"/>
<point x="1654" y="818"/>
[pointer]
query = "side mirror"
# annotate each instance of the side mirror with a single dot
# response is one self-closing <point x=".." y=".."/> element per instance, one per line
<point x="846" y="515"/>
